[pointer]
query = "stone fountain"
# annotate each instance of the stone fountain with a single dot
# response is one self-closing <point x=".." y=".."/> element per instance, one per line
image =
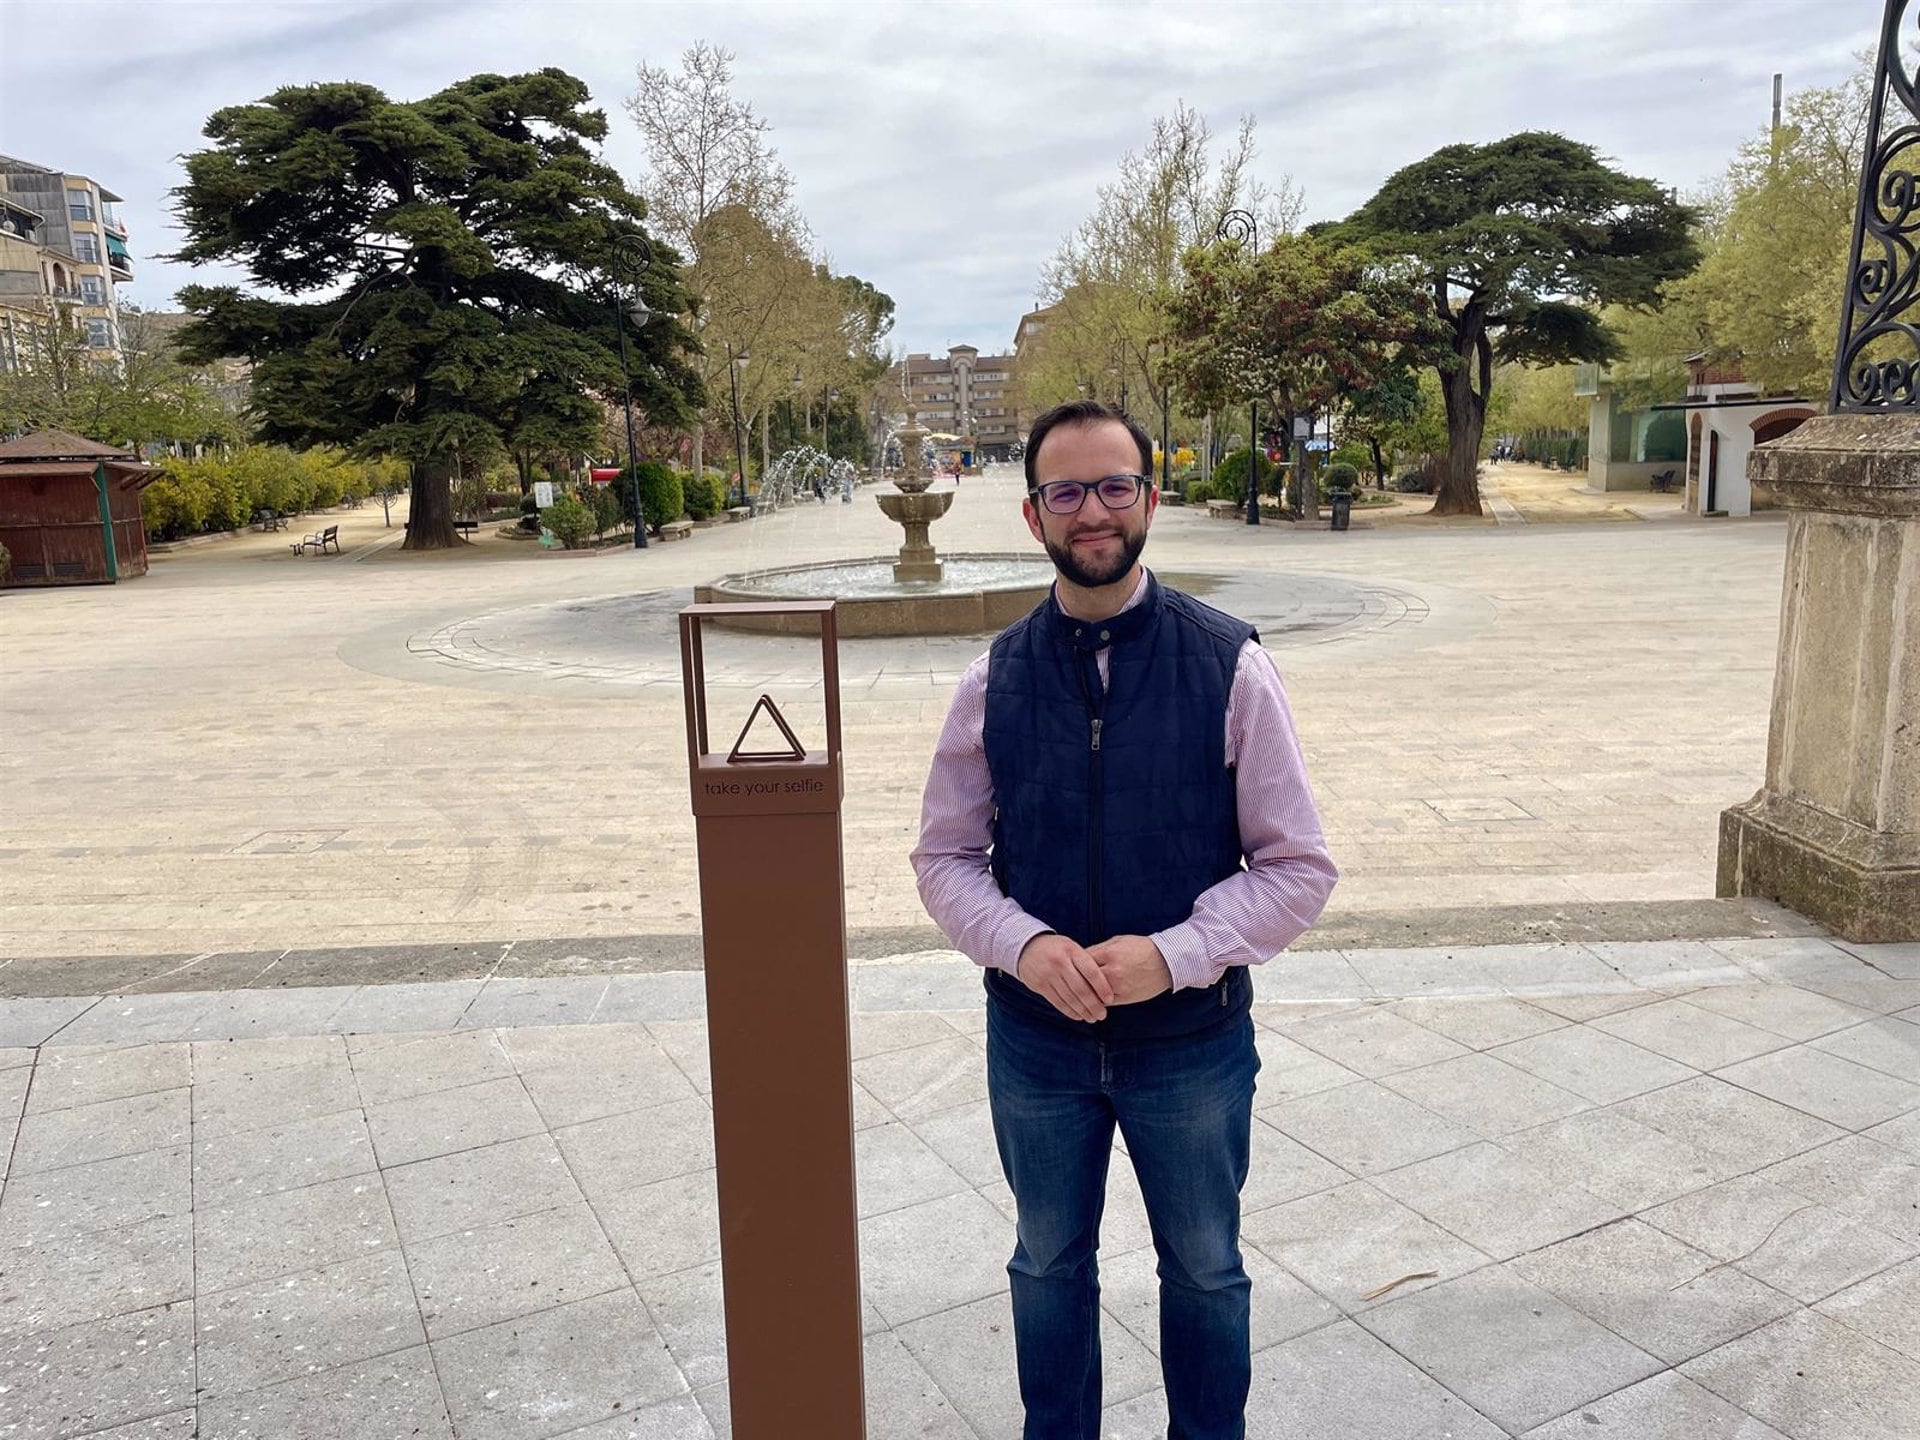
<point x="916" y="592"/>
<point x="914" y="506"/>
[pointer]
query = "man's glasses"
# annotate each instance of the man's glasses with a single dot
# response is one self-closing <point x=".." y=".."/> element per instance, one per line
<point x="1065" y="497"/>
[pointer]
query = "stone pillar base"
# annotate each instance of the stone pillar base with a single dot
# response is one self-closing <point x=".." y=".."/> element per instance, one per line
<point x="1835" y="831"/>
<point x="1860" y="884"/>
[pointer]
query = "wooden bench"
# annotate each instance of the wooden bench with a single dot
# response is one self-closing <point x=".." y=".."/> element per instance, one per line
<point x="467" y="527"/>
<point x="318" y="541"/>
<point x="677" y="530"/>
<point x="270" y="520"/>
<point x="1225" y="509"/>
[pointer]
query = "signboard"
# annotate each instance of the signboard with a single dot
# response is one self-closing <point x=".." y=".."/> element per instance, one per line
<point x="543" y="493"/>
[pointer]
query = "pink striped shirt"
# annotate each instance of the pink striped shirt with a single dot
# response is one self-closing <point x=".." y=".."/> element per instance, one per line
<point x="1244" y="920"/>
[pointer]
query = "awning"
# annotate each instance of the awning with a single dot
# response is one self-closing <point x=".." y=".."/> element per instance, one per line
<point x="117" y="247"/>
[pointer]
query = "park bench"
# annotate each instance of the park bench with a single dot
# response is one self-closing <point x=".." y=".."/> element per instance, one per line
<point x="467" y="527"/>
<point x="1224" y="509"/>
<point x="270" y="520"/>
<point x="739" y="512"/>
<point x="1661" y="483"/>
<point x="676" y="530"/>
<point x="318" y="541"/>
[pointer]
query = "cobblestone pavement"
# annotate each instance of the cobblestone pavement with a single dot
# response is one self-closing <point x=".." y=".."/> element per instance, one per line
<point x="247" y="749"/>
<point x="1668" y="1191"/>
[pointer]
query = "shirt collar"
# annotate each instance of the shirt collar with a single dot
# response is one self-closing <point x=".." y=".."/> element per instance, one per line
<point x="1128" y="621"/>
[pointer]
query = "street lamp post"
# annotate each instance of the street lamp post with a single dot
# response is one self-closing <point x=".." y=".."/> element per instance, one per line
<point x="1166" y="430"/>
<point x="631" y="255"/>
<point x="1240" y="228"/>
<point x="735" y="364"/>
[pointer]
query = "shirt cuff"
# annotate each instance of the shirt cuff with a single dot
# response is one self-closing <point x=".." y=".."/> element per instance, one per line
<point x="1012" y="938"/>
<point x="1186" y="956"/>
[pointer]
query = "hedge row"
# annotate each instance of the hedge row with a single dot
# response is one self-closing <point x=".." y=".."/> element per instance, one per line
<point x="225" y="492"/>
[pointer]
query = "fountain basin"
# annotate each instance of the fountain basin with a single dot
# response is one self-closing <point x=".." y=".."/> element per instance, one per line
<point x="976" y="595"/>
<point x="914" y="507"/>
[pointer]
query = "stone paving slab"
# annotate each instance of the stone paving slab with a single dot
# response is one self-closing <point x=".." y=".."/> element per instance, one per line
<point x="260" y="1225"/>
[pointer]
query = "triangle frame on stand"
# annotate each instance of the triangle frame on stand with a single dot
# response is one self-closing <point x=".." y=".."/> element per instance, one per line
<point x="765" y="705"/>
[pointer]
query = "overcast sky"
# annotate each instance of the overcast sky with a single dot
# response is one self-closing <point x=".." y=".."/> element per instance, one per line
<point x="941" y="150"/>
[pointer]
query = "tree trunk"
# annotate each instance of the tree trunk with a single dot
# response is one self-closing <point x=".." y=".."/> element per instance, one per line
<point x="766" y="442"/>
<point x="430" y="517"/>
<point x="700" y="450"/>
<point x="1466" y="418"/>
<point x="1379" y="462"/>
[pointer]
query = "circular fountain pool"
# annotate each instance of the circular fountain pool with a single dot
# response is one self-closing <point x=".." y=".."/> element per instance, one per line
<point x="975" y="595"/>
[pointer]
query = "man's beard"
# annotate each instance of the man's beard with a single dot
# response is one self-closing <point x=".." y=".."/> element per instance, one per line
<point x="1092" y="577"/>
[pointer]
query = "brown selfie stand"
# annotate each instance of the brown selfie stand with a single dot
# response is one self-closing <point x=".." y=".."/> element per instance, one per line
<point x="776" y="968"/>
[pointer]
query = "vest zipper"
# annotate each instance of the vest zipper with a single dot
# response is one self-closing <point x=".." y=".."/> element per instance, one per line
<point x="1095" y="695"/>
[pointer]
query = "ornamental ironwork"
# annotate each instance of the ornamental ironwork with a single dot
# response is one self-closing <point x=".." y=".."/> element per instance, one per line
<point x="1239" y="228"/>
<point x="1877" y="366"/>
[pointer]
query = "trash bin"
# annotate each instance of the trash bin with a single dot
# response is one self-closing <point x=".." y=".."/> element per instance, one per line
<point x="1342" y="502"/>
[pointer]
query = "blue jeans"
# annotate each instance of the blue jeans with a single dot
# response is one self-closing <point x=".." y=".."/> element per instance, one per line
<point x="1185" y="1108"/>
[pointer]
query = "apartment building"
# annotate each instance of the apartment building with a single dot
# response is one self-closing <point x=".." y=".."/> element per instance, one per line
<point x="963" y="394"/>
<point x="63" y="255"/>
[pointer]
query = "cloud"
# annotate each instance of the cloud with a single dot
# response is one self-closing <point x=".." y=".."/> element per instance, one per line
<point x="943" y="151"/>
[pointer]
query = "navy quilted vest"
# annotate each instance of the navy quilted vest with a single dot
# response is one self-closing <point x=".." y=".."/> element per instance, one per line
<point x="1115" y="811"/>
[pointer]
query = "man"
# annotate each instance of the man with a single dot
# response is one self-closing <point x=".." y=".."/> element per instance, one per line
<point x="1117" y="824"/>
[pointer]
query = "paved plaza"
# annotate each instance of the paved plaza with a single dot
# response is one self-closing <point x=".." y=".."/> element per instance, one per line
<point x="1654" y="1190"/>
<point x="249" y="750"/>
<point x="353" y="1072"/>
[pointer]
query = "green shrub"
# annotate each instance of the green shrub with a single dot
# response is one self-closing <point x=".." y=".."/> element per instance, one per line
<point x="570" y="519"/>
<point x="177" y="502"/>
<point x="1340" y="476"/>
<point x="704" y="495"/>
<point x="529" y="505"/>
<point x="607" y="510"/>
<point x="659" y="492"/>
<point x="1198" y="492"/>
<point x="225" y="492"/>
<point x="1352" y="453"/>
<point x="1230" y="477"/>
<point x="1411" y="482"/>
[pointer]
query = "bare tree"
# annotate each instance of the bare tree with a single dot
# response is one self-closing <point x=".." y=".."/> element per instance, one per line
<point x="709" y="158"/>
<point x="1111" y="279"/>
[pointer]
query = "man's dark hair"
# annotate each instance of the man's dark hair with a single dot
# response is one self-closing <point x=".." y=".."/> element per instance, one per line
<point x="1087" y="412"/>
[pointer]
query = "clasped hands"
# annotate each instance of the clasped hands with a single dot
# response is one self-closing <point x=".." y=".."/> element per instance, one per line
<point x="1082" y="981"/>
